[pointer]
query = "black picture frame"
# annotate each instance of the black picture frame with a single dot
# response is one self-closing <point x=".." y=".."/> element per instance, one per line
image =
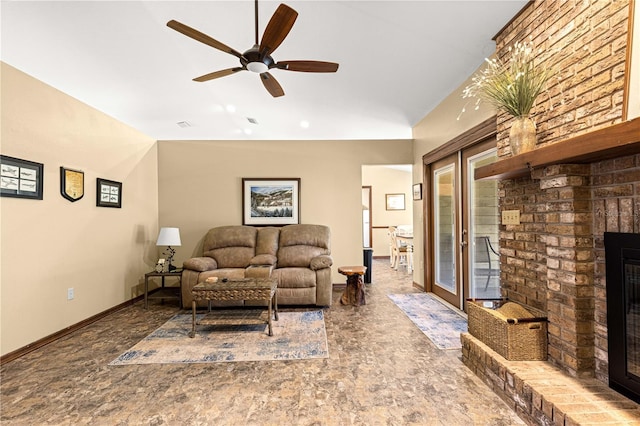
<point x="417" y="191"/>
<point x="108" y="193"/>
<point x="21" y="178"/>
<point x="270" y="201"/>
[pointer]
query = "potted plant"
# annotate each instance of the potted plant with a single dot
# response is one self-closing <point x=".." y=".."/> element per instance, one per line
<point x="513" y="87"/>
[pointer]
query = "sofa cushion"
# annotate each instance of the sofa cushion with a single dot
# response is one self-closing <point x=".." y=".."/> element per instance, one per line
<point x="301" y="243"/>
<point x="267" y="241"/>
<point x="295" y="277"/>
<point x="200" y="264"/>
<point x="231" y="246"/>
<point x="231" y="273"/>
<point x="263" y="259"/>
<point x="308" y="235"/>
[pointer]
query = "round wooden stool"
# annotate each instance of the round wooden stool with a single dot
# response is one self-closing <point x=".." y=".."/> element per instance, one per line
<point x="354" y="293"/>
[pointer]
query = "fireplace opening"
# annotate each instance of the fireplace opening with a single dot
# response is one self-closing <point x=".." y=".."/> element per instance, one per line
<point x="622" y="253"/>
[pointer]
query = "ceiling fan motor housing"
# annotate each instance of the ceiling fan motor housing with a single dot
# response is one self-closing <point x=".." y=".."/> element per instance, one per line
<point x="253" y="61"/>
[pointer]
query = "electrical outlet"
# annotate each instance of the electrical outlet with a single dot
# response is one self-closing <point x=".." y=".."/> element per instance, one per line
<point x="511" y="217"/>
<point x="70" y="294"/>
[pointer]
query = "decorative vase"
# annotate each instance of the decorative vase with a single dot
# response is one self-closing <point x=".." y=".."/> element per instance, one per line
<point x="522" y="136"/>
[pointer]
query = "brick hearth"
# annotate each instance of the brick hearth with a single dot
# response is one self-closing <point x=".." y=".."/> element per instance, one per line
<point x="542" y="394"/>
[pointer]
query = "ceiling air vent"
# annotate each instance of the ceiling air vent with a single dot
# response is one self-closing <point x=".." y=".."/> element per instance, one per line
<point x="183" y="124"/>
<point x="252" y="120"/>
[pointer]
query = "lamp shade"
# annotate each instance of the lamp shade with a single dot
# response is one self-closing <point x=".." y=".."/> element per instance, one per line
<point x="169" y="237"/>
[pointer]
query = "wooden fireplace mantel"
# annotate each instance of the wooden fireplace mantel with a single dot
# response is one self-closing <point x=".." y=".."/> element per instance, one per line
<point x="618" y="140"/>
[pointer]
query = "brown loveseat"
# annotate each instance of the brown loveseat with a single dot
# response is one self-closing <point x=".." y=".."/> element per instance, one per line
<point x="297" y="255"/>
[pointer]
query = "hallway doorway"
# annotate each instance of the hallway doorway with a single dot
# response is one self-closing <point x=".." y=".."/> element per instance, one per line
<point x="381" y="183"/>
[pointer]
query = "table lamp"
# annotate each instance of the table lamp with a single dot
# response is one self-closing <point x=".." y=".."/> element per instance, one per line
<point x="169" y="237"/>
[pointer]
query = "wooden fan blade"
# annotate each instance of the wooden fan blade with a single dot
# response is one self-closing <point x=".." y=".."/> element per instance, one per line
<point x="202" y="38"/>
<point x="218" y="74"/>
<point x="271" y="84"/>
<point x="277" y="29"/>
<point x="308" y="66"/>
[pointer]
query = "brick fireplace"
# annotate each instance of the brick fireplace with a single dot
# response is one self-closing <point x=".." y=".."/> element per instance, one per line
<point x="582" y="180"/>
<point x="553" y="262"/>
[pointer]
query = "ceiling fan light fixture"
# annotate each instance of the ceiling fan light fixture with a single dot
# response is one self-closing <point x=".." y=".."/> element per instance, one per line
<point x="257" y="67"/>
<point x="258" y="59"/>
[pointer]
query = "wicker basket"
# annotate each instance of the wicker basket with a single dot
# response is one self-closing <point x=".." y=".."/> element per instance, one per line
<point x="509" y="329"/>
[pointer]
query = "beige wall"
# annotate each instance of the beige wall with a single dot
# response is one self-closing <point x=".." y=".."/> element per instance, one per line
<point x="442" y="124"/>
<point x="634" y="84"/>
<point x="385" y="180"/>
<point x="53" y="244"/>
<point x="201" y="185"/>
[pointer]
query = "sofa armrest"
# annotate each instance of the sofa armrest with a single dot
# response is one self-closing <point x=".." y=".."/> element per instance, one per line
<point x="200" y="264"/>
<point x="263" y="260"/>
<point x="321" y="262"/>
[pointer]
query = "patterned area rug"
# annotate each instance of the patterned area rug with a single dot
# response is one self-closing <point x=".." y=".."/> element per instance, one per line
<point x="296" y="335"/>
<point x="441" y="324"/>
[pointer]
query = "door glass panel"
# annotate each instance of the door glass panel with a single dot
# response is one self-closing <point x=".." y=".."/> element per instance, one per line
<point x="444" y="212"/>
<point x="484" y="262"/>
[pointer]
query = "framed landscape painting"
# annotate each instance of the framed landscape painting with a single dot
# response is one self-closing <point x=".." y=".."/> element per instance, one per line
<point x="395" y="201"/>
<point x="269" y="201"/>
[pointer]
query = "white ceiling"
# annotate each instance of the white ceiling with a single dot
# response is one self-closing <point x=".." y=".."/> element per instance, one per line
<point x="398" y="60"/>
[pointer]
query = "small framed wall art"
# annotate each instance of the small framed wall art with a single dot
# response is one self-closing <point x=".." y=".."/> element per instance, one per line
<point x="108" y="193"/>
<point x="395" y="201"/>
<point x="417" y="191"/>
<point x="268" y="201"/>
<point x="71" y="184"/>
<point x="20" y="178"/>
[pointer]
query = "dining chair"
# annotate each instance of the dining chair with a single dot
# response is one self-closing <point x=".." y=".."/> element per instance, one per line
<point x="398" y="249"/>
<point x="483" y="253"/>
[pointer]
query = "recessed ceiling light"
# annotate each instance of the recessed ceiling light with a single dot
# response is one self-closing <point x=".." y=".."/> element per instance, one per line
<point x="231" y="108"/>
<point x="247" y="131"/>
<point x="304" y="124"/>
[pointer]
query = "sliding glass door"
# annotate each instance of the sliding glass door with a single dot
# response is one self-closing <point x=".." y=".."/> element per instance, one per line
<point x="463" y="222"/>
<point x="444" y="208"/>
<point x="481" y="225"/>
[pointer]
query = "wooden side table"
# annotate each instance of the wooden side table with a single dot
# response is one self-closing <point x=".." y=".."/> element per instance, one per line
<point x="354" y="293"/>
<point x="163" y="292"/>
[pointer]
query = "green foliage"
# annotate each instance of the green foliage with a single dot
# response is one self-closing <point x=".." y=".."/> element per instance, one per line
<point x="511" y="86"/>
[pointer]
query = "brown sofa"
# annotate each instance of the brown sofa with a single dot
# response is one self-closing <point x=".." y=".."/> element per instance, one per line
<point x="299" y="256"/>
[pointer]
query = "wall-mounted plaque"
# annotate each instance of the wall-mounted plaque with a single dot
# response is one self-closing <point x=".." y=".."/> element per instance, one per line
<point x="71" y="184"/>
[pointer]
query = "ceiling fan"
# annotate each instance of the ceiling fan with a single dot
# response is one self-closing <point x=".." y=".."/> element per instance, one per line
<point x="258" y="59"/>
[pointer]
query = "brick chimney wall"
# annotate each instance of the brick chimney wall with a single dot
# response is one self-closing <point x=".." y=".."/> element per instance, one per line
<point x="553" y="262"/>
<point x="615" y="188"/>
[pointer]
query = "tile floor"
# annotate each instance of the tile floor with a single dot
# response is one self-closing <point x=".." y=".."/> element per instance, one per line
<point x="381" y="371"/>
